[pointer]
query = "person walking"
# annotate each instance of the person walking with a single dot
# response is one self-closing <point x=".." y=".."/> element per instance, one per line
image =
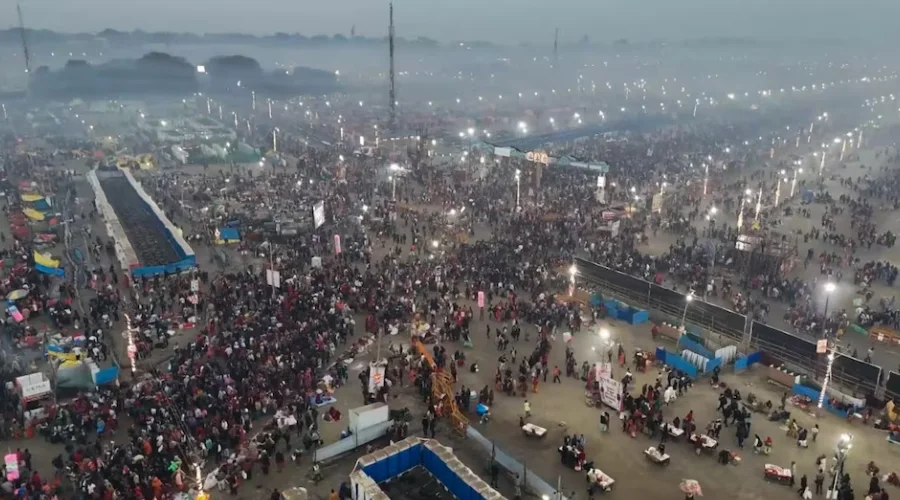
<point x="556" y="374"/>
<point x="803" y="484"/>
<point x="820" y="480"/>
<point x="527" y="408"/>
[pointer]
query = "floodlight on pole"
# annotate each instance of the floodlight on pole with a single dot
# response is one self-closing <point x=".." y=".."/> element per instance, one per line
<point x="687" y="302"/>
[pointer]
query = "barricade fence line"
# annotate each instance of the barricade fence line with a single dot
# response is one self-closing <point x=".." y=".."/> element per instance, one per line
<point x="716" y="331"/>
<point x="530" y="481"/>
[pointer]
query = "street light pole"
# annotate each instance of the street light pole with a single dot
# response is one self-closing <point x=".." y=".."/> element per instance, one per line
<point x="572" y="271"/>
<point x="829" y="289"/>
<point x="843" y="449"/>
<point x="794" y="182"/>
<point x="740" y="219"/>
<point x="687" y="302"/>
<point x="758" y="203"/>
<point x="518" y="187"/>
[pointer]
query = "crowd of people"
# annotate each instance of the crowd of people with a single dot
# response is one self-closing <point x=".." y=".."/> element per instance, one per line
<point x="267" y="355"/>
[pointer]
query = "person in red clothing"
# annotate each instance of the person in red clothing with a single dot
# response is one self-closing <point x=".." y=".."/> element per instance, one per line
<point x="36" y="482"/>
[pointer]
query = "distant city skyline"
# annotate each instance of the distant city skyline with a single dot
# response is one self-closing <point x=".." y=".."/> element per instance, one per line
<point x="499" y="21"/>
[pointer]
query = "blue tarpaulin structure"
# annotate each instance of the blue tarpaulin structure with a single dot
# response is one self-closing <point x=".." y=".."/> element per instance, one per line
<point x="228" y="235"/>
<point x="106" y="375"/>
<point x="41" y="205"/>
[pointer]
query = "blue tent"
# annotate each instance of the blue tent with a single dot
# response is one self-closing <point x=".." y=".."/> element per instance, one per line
<point x="228" y="235"/>
<point x="41" y="205"/>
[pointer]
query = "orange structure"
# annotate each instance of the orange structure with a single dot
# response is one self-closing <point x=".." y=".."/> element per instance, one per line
<point x="442" y="390"/>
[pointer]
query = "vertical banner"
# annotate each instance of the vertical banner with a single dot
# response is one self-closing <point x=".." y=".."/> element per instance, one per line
<point x="273" y="278"/>
<point x="481" y="300"/>
<point x="337" y="244"/>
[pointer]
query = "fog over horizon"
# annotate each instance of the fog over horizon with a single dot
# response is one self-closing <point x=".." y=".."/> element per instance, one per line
<point x="499" y="21"/>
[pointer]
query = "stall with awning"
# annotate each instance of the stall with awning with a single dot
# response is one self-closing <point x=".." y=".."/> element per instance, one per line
<point x="33" y="214"/>
<point x="46" y="264"/>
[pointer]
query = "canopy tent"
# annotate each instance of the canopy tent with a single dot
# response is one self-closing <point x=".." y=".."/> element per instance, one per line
<point x="227" y="235"/>
<point x="33" y="214"/>
<point x="30" y="197"/>
<point x="42" y="204"/>
<point x="45" y="260"/>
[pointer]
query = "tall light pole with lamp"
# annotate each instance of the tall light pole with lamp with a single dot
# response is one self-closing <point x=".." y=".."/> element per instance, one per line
<point x="687" y="302"/>
<point x="572" y="272"/>
<point x="829" y="289"/>
<point x="778" y="187"/>
<point x="395" y="169"/>
<point x="758" y="203"/>
<point x="794" y="182"/>
<point x="711" y="218"/>
<point x="844" y="444"/>
<point x="740" y="219"/>
<point x="518" y="187"/>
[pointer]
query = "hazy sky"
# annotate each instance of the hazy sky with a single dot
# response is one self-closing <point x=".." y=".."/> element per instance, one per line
<point x="506" y="21"/>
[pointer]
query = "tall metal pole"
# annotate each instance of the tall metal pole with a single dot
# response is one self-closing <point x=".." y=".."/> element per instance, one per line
<point x="556" y="49"/>
<point x="24" y="41"/>
<point x="518" y="191"/>
<point x="393" y="92"/>
<point x="758" y="203"/>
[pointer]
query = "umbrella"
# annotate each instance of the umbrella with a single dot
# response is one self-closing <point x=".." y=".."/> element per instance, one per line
<point x="691" y="487"/>
<point x="17" y="294"/>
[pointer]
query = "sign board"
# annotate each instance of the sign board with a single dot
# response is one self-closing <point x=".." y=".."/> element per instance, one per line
<point x="319" y="214"/>
<point x="604" y="370"/>
<point x="273" y="278"/>
<point x="195" y="285"/>
<point x="822" y="346"/>
<point x="608" y="215"/>
<point x="481" y="300"/>
<point x="34" y="390"/>
<point x="12" y="466"/>
<point x="614" y="228"/>
<point x="538" y="157"/>
<point x="611" y="393"/>
<point x="337" y="244"/>
<point x="657" y="202"/>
